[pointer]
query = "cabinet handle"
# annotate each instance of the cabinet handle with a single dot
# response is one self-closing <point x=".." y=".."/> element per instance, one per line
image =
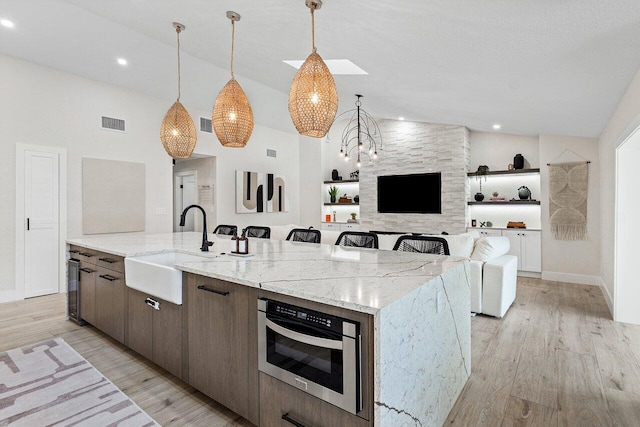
<point x="108" y="260"/>
<point x="87" y="254"/>
<point x="290" y="420"/>
<point x="204" y="288"/>
<point x="74" y="251"/>
<point x="86" y="270"/>
<point x="108" y="277"/>
<point x="152" y="303"/>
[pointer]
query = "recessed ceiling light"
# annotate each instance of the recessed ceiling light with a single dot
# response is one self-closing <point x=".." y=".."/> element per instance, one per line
<point x="400" y="118"/>
<point x="336" y="66"/>
<point x="6" y="23"/>
<point x="122" y="61"/>
<point x="496" y="126"/>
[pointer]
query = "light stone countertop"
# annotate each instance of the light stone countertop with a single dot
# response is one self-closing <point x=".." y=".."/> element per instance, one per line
<point x="364" y="280"/>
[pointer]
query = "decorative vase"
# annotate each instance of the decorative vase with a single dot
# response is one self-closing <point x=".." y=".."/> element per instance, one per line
<point x="524" y="193"/>
<point x="333" y="199"/>
<point x="479" y="197"/>
<point x="356" y="199"/>
<point x="334" y="175"/>
<point x="518" y="161"/>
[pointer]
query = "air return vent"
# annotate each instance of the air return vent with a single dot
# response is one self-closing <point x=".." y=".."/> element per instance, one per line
<point x="205" y="125"/>
<point x="271" y="153"/>
<point x="112" y="124"/>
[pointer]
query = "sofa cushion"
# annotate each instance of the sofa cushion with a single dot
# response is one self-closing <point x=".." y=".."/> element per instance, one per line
<point x="459" y="244"/>
<point x="387" y="241"/>
<point x="488" y="248"/>
<point x="280" y="232"/>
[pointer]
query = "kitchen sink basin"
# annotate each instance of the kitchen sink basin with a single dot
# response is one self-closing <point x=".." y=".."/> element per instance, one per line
<point x="156" y="274"/>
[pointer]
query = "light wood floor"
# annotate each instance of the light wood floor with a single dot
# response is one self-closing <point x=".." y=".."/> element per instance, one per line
<point x="555" y="359"/>
<point x="163" y="396"/>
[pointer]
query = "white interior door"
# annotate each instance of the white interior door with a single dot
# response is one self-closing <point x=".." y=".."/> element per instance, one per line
<point x="41" y="223"/>
<point x="185" y="195"/>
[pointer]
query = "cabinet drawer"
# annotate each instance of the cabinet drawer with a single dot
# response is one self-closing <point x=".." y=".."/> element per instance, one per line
<point x="83" y="254"/>
<point x="329" y="226"/>
<point x="279" y="398"/>
<point x="350" y="227"/>
<point x="112" y="262"/>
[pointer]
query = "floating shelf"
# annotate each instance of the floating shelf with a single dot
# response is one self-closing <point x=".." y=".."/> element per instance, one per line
<point x="507" y="202"/>
<point x="342" y="204"/>
<point x="507" y="172"/>
<point x="344" y="181"/>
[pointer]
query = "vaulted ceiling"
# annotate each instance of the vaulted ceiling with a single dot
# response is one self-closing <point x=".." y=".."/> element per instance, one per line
<point x="545" y="66"/>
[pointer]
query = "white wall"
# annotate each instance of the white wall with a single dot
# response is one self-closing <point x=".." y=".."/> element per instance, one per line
<point x="627" y="292"/>
<point x="571" y="261"/>
<point x="47" y="107"/>
<point x="311" y="177"/>
<point x="497" y="150"/>
<point x="624" y="121"/>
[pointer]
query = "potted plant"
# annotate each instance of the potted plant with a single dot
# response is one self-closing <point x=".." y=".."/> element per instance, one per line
<point x="333" y="193"/>
<point x="354" y="215"/>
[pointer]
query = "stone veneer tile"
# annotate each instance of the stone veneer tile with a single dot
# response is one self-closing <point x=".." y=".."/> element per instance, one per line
<point x="411" y="147"/>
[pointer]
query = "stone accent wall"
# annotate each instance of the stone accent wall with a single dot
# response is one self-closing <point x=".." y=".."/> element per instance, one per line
<point x="412" y="147"/>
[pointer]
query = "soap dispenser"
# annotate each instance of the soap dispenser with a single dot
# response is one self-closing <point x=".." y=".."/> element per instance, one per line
<point x="243" y="243"/>
<point x="235" y="242"/>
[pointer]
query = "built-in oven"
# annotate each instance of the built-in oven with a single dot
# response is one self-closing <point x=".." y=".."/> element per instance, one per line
<point x="313" y="351"/>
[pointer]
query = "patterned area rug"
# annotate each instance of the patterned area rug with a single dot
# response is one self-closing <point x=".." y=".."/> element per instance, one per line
<point x="49" y="384"/>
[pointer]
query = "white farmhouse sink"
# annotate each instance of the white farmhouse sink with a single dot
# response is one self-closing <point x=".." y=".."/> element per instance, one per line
<point x="156" y="274"/>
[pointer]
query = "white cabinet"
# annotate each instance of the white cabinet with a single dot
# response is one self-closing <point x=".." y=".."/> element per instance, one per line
<point x="486" y="232"/>
<point x="334" y="226"/>
<point x="526" y="245"/>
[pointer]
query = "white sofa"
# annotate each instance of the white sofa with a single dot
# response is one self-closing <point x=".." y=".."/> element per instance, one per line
<point x="493" y="273"/>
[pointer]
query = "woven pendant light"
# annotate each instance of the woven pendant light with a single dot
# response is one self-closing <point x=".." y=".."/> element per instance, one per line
<point x="178" y="133"/>
<point x="313" y="98"/>
<point x="232" y="116"/>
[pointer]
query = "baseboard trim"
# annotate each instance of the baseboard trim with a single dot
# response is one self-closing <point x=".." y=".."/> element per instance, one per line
<point x="582" y="279"/>
<point x="9" y="296"/>
<point x="608" y="298"/>
<point x="529" y="274"/>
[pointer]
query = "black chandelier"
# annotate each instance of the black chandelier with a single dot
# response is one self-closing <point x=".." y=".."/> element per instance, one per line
<point x="361" y="134"/>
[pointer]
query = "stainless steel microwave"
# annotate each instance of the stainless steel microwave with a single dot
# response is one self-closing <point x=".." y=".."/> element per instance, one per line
<point x="313" y="351"/>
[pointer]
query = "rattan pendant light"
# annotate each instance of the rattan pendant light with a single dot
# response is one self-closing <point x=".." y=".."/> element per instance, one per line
<point x="178" y="133"/>
<point x="313" y="98"/>
<point x="232" y="116"/>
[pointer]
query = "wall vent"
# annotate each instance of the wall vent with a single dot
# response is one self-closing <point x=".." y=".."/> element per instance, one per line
<point x="271" y="153"/>
<point x="205" y="125"/>
<point x="113" y="124"/>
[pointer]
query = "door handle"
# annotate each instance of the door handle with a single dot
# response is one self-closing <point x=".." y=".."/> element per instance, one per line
<point x="204" y="288"/>
<point x="86" y="270"/>
<point x="108" y="260"/>
<point x="290" y="420"/>
<point x="87" y="254"/>
<point x="108" y="277"/>
<point x="28" y="224"/>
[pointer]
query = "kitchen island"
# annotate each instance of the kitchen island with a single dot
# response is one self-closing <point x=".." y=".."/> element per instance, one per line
<point x="417" y="306"/>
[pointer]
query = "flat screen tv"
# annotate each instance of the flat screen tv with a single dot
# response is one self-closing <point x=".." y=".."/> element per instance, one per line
<point x="413" y="193"/>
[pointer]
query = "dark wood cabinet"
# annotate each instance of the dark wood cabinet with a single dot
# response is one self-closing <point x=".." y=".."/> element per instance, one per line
<point x="155" y="333"/>
<point x="110" y="302"/>
<point x="139" y="324"/>
<point x="278" y="398"/>
<point x="222" y="325"/>
<point x="87" y="273"/>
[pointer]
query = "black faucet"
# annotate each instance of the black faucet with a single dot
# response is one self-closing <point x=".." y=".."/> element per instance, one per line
<point x="205" y="243"/>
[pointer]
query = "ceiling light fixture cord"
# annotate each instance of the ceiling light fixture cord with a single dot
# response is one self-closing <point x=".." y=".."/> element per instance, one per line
<point x="313" y="28"/>
<point x="233" y="39"/>
<point x="178" y="35"/>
